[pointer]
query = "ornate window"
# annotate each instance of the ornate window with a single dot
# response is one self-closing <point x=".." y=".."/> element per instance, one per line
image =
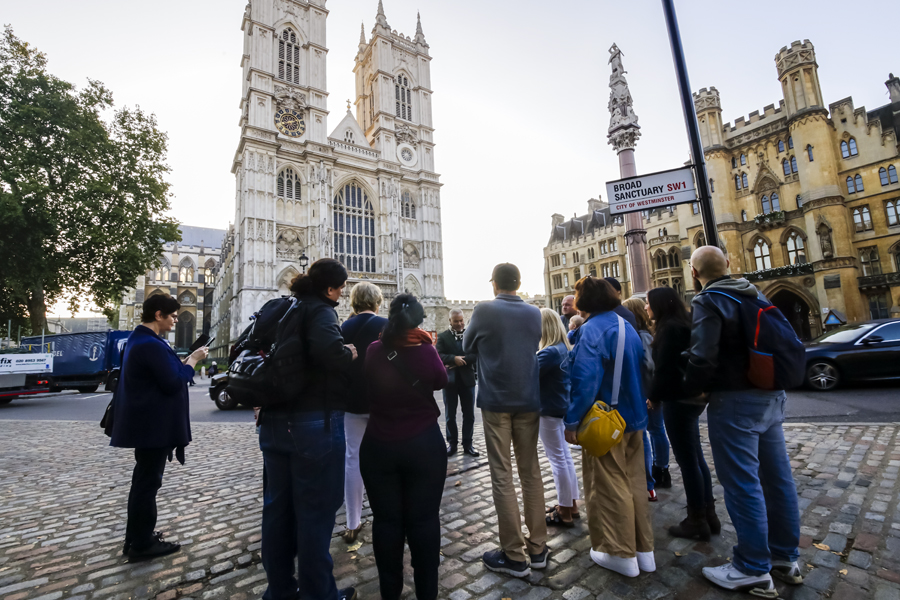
<point x="791" y="143"/>
<point x="795" y="249"/>
<point x="408" y="207"/>
<point x="288" y="185"/>
<point x="674" y="259"/>
<point x="563" y="258"/>
<point x="744" y="216"/>
<point x="593" y="271"/>
<point x="577" y="273"/>
<point x="734" y="162"/>
<point x="737" y="183"/>
<point x="348" y="137"/>
<point x="892" y="208"/>
<point x="809" y="152"/>
<point x="888" y="176"/>
<point x="849" y="149"/>
<point x="403" y="98"/>
<point x="591" y="253"/>
<point x="354" y="229"/>
<point x="868" y="258"/>
<point x="566" y="279"/>
<point x="162" y="273"/>
<point x="744" y="180"/>
<point x="851" y="188"/>
<point x="186" y="275"/>
<point x="793" y="164"/>
<point x="859" y="183"/>
<point x="660" y="261"/>
<point x="776" y="203"/>
<point x="289" y="57"/>
<point x="614" y="245"/>
<point x="615" y="269"/>
<point x="743" y="160"/>
<point x="862" y="219"/>
<point x="604" y="270"/>
<point x="766" y="208"/>
<point x="762" y="255"/>
<point x="208" y="271"/>
<point x="878" y="305"/>
<point x="786" y="166"/>
<point x="781" y="145"/>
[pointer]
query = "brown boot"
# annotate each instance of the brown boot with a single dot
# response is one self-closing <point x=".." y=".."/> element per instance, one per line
<point x="694" y="527"/>
<point x="715" y="526"/>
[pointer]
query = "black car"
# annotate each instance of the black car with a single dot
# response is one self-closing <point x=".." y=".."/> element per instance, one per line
<point x="854" y="352"/>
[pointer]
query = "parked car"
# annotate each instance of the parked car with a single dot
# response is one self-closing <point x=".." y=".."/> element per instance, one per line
<point x="854" y="352"/>
<point x="218" y="391"/>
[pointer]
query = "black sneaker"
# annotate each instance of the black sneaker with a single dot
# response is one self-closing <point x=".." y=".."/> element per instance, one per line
<point x="158" y="547"/>
<point x="665" y="481"/>
<point x="498" y="562"/>
<point x="539" y="561"/>
<point x="347" y="594"/>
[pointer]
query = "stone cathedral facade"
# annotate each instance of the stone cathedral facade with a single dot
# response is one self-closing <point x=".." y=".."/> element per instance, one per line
<point x="364" y="192"/>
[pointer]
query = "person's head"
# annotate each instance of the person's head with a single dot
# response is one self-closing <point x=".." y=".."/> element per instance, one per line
<point x="214" y="363"/>
<point x="552" y="330"/>
<point x="506" y="278"/>
<point x="405" y="314"/>
<point x="365" y="297"/>
<point x="615" y="285"/>
<point x="636" y="306"/>
<point x="708" y="263"/>
<point x="161" y="312"/>
<point x="593" y="295"/>
<point x="666" y="308"/>
<point x="575" y="322"/>
<point x="568" y="306"/>
<point x="326" y="277"/>
<point x="457" y="320"/>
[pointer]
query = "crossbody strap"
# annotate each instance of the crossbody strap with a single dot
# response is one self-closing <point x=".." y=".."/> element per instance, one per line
<point x="617" y="372"/>
<point x="414" y="382"/>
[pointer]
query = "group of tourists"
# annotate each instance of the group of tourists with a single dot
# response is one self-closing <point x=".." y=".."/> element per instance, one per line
<point x="368" y="422"/>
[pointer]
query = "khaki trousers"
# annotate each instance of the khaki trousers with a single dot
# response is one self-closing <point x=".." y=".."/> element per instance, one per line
<point x="520" y="429"/>
<point x="615" y="495"/>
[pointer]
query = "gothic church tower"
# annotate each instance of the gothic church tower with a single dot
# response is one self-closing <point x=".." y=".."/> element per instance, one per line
<point x="366" y="193"/>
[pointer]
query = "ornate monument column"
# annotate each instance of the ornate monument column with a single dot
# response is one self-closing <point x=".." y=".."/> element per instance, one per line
<point x="624" y="132"/>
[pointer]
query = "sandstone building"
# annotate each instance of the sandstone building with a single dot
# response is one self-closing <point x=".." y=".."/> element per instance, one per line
<point x="807" y="203"/>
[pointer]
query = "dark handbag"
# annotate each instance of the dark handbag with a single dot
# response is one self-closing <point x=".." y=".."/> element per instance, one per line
<point x="106" y="423"/>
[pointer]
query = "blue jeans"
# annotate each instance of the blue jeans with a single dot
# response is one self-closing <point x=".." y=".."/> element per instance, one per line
<point x="304" y="472"/>
<point x="648" y="462"/>
<point x="752" y="464"/>
<point x="658" y="440"/>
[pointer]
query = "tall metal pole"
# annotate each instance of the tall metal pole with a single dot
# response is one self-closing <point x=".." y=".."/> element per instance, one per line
<point x="693" y="129"/>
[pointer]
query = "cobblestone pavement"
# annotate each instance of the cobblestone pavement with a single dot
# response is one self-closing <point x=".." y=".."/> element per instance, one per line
<point x="62" y="517"/>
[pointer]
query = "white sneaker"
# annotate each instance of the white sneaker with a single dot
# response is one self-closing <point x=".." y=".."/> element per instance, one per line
<point x="646" y="561"/>
<point x="623" y="566"/>
<point x="728" y="577"/>
<point x="787" y="571"/>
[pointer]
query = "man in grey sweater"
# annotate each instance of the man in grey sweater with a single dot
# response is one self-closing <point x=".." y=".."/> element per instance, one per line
<point x="505" y="334"/>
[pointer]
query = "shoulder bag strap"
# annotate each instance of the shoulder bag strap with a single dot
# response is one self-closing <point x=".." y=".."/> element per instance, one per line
<point x="617" y="372"/>
<point x="395" y="359"/>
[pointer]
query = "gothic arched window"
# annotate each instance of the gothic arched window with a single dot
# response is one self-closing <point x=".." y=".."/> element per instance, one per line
<point x="809" y="152"/>
<point x="892" y="207"/>
<point x="744" y="216"/>
<point x="354" y="229"/>
<point x="892" y="173"/>
<point x="851" y="188"/>
<point x="888" y="176"/>
<point x="862" y="218"/>
<point x="871" y="263"/>
<point x="793" y="164"/>
<point x="743" y="160"/>
<point x="795" y="249"/>
<point x="766" y="208"/>
<point x="288" y="185"/>
<point x="762" y="255"/>
<point x="162" y="273"/>
<point x="737" y="182"/>
<point x="407" y="206"/>
<point x="859" y="183"/>
<point x="593" y="270"/>
<point x="882" y="174"/>
<point x="786" y="166"/>
<point x="791" y="143"/>
<point x="780" y="145"/>
<point x="733" y="162"/>
<point x="348" y="137"/>
<point x="744" y="180"/>
<point x="403" y="97"/>
<point x="289" y="57"/>
<point x="776" y="203"/>
<point x="852" y="145"/>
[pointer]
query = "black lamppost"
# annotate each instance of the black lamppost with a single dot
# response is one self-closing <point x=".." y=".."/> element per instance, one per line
<point x="304" y="261"/>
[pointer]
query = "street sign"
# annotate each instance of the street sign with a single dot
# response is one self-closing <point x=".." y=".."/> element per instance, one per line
<point x="656" y="190"/>
<point x="26" y="363"/>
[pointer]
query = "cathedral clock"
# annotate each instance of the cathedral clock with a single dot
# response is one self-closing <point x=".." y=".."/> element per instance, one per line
<point x="290" y="122"/>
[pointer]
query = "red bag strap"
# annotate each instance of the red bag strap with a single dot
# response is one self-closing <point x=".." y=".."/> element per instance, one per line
<point x="758" y="322"/>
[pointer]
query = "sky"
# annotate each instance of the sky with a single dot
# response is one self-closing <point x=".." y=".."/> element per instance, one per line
<point x="520" y="94"/>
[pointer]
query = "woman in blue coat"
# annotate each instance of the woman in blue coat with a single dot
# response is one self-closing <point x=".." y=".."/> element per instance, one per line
<point x="152" y="416"/>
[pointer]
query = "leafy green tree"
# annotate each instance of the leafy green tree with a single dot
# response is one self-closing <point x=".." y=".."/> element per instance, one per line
<point x="82" y="200"/>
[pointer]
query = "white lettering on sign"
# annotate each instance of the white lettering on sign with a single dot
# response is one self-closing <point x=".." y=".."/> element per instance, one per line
<point x="655" y="190"/>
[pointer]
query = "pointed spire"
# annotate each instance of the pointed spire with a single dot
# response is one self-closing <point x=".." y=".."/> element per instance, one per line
<point x="362" y="35"/>
<point x="380" y="19"/>
<point x="420" y="37"/>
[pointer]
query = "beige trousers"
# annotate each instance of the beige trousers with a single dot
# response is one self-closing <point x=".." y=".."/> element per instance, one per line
<point x="520" y="430"/>
<point x="615" y="496"/>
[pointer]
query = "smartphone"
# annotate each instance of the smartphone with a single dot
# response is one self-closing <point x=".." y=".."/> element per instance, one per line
<point x="203" y="340"/>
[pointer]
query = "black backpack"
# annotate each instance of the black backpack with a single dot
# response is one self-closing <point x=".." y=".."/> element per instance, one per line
<point x="269" y="370"/>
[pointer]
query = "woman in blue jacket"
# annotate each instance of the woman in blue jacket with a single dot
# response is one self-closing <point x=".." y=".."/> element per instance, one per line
<point x="615" y="483"/>
<point x="552" y="362"/>
<point x="152" y="415"/>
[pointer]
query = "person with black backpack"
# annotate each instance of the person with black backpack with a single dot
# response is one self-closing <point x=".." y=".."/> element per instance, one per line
<point x="301" y="435"/>
<point x="744" y="354"/>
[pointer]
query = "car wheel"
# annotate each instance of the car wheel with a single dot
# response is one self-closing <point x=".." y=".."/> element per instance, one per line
<point x="822" y="376"/>
<point x="225" y="401"/>
<point x="88" y="389"/>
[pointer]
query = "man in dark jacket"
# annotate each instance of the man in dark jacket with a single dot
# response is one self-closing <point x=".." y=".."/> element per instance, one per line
<point x="745" y="433"/>
<point x="461" y="387"/>
<point x="152" y="415"/>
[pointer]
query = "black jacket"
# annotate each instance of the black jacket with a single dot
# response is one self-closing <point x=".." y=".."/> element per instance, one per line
<point x="668" y="375"/>
<point x="360" y="331"/>
<point x="327" y="364"/>
<point x="718" y="356"/>
<point x="448" y="348"/>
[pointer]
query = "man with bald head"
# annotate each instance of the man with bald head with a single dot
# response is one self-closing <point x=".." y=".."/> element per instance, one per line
<point x="745" y="433"/>
<point x="568" y="310"/>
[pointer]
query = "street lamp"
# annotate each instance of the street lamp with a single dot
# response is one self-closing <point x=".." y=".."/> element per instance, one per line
<point x="304" y="261"/>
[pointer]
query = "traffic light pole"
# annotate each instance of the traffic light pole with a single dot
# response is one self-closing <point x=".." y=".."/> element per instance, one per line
<point x="693" y="129"/>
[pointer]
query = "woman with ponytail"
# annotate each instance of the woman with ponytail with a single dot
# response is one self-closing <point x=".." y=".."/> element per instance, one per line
<point x="402" y="457"/>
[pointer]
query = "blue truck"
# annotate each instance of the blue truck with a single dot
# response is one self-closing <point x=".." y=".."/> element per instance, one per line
<point x="81" y="361"/>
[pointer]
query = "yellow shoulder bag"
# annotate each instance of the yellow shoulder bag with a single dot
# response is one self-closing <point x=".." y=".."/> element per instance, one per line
<point x="603" y="427"/>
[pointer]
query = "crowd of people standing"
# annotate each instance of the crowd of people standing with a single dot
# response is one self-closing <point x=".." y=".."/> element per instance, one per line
<point x="368" y="422"/>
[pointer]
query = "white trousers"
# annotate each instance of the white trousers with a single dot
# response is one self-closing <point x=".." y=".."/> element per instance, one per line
<point x="354" y="429"/>
<point x="553" y="436"/>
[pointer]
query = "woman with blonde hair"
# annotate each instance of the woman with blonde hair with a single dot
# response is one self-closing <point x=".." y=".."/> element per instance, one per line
<point x="552" y="359"/>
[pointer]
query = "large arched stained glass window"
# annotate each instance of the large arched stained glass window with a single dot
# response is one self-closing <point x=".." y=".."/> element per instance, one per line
<point x="354" y="229"/>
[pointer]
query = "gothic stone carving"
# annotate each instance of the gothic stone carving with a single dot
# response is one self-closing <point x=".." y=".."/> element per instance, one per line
<point x="289" y="98"/>
<point x="825" y="242"/>
<point x="405" y="134"/>
<point x="290" y="245"/>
